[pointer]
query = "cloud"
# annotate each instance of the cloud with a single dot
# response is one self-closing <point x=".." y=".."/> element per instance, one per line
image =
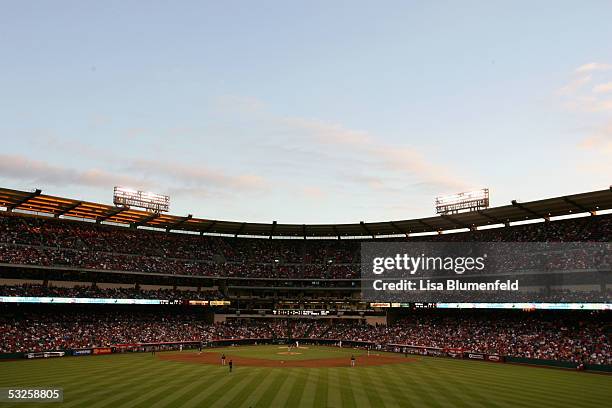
<point x="593" y="152"/>
<point x="410" y="161"/>
<point x="159" y="175"/>
<point x="594" y="66"/>
<point x="198" y="176"/>
<point x="314" y="193"/>
<point x="603" y="88"/>
<point x="589" y="104"/>
<point x="577" y="97"/>
<point x="378" y="183"/>
<point x="597" y="146"/>
<point x="402" y="161"/>
<point x="143" y="174"/>
<point x="42" y="174"/>
<point x="49" y="140"/>
<point x="600" y="141"/>
<point x="325" y="144"/>
<point x="574" y="85"/>
<point x="331" y="133"/>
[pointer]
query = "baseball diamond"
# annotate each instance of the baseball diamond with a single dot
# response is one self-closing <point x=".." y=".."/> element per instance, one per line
<point x="175" y="379"/>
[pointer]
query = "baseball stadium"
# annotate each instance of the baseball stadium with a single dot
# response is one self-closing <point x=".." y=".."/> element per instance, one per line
<point x="121" y="307"/>
<point x="306" y="204"/>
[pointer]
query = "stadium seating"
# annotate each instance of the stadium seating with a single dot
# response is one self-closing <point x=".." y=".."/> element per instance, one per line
<point x="51" y="242"/>
<point x="577" y="338"/>
<point x="57" y="245"/>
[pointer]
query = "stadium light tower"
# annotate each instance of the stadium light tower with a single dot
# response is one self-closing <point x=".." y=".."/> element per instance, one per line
<point x="123" y="196"/>
<point x="467" y="201"/>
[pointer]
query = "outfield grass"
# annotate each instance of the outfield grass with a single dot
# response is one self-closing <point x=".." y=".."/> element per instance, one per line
<point x="140" y="380"/>
<point x="305" y="352"/>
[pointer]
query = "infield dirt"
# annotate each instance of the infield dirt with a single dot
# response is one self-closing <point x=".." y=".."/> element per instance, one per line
<point x="215" y="358"/>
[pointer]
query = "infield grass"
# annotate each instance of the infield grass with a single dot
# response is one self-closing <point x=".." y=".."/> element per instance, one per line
<point x="279" y="352"/>
<point x="141" y="380"/>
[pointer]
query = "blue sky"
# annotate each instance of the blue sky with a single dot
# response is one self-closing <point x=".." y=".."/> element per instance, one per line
<point x="306" y="111"/>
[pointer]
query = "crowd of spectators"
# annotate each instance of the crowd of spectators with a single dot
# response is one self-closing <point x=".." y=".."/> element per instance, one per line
<point x="583" y="338"/>
<point x="52" y="242"/>
<point x="89" y="291"/>
<point x="35" y="332"/>
<point x="551" y="337"/>
<point x="243" y="329"/>
<point x="50" y="257"/>
<point x="301" y="328"/>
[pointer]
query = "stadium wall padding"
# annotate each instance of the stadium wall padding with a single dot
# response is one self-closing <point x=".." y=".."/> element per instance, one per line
<point x="221" y="343"/>
<point x="557" y="364"/>
<point x="10" y="356"/>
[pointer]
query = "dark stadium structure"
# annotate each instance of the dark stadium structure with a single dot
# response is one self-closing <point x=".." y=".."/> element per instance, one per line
<point x="128" y="279"/>
<point x="58" y="207"/>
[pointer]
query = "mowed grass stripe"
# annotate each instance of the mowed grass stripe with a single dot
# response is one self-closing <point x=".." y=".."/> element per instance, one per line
<point x="495" y="393"/>
<point x="137" y="386"/>
<point x="29" y="372"/>
<point x="475" y="394"/>
<point x="282" y="394"/>
<point x="528" y="398"/>
<point x="387" y="389"/>
<point x="242" y="390"/>
<point x="376" y="394"/>
<point x="76" y="393"/>
<point x="572" y="388"/>
<point x="502" y="384"/>
<point x="298" y="387"/>
<point x="310" y="383"/>
<point x="442" y="388"/>
<point x="217" y="389"/>
<point x="482" y="369"/>
<point x="65" y="380"/>
<point x="280" y="376"/>
<point x="474" y="385"/>
<point x="322" y="388"/>
<point x="259" y="389"/>
<point x="346" y="388"/>
<point x="362" y="394"/>
<point x="448" y="389"/>
<point x="138" y="382"/>
<point x="403" y="379"/>
<point x="98" y="386"/>
<point x="144" y="395"/>
<point x="417" y="387"/>
<point x="334" y="399"/>
<point x="199" y="381"/>
<point x="204" y="384"/>
<point x="537" y="390"/>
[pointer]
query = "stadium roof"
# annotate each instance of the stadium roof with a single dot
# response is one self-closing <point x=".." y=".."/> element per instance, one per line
<point x="541" y="209"/>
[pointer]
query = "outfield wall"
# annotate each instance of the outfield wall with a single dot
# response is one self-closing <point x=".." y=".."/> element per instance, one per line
<point x="392" y="348"/>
